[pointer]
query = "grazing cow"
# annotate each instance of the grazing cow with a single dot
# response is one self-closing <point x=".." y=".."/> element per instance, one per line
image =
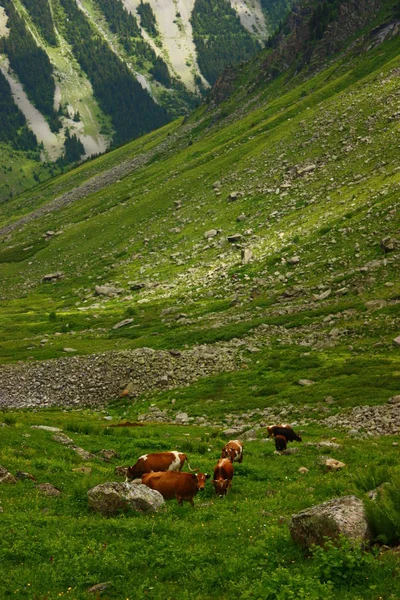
<point x="233" y="450"/>
<point x="171" y="484"/>
<point x="223" y="474"/>
<point x="280" y="443"/>
<point x="285" y="430"/>
<point x="158" y="461"/>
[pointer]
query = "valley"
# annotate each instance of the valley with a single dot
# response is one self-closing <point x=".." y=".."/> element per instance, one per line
<point x="235" y="268"/>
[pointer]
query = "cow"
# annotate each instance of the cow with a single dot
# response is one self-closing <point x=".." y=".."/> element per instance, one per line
<point x="285" y="430"/>
<point x="233" y="450"/>
<point x="223" y="474"/>
<point x="172" y="484"/>
<point x="158" y="461"/>
<point x="280" y="443"/>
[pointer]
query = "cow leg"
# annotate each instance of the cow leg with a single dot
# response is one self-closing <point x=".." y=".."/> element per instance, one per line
<point x="179" y="499"/>
<point x="191" y="502"/>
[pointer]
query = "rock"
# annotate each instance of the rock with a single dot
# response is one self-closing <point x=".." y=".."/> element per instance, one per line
<point x="294" y="260"/>
<point x="46" y="428"/>
<point x="235" y="431"/>
<point x="331" y="464"/>
<point x="7" y="477"/>
<point x="52" y="277"/>
<point x="70" y="350"/>
<point x="22" y="475"/>
<point x="107" y="290"/>
<point x="388" y="244"/>
<point x="61" y="438"/>
<point x="376" y="304"/>
<point x="396" y="341"/>
<point x="241" y="217"/>
<point x="123" y="323"/>
<point x="233" y="196"/>
<point x="246" y="256"/>
<point x="234" y="238"/>
<point x="290" y="451"/>
<point x="394" y="400"/>
<point x="84" y="454"/>
<point x="305" y="382"/>
<point x="109" y="454"/>
<point x="340" y="516"/>
<point x="210" y="234"/>
<point x="48" y="489"/>
<point x="327" y="444"/>
<point x="306" y="169"/>
<point x="112" y="497"/>
<point x="249" y="435"/>
<point x="99" y="587"/>
<point x="135" y="286"/>
<point x="323" y="296"/>
<point x="303" y="470"/>
<point x="182" y="418"/>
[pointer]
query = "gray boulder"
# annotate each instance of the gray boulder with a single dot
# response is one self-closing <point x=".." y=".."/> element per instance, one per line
<point x="111" y="497"/>
<point x="340" y="516"/>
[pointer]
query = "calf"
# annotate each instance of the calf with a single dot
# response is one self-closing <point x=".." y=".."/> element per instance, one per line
<point x="233" y="450"/>
<point x="159" y="461"/>
<point x="280" y="443"/>
<point x="171" y="484"/>
<point x="285" y="430"/>
<point x="223" y="475"/>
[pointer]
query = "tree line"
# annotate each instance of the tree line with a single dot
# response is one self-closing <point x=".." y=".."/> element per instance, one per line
<point x="40" y="13"/>
<point x="132" y="109"/>
<point x="220" y="38"/>
<point x="31" y="64"/>
<point x="13" y="126"/>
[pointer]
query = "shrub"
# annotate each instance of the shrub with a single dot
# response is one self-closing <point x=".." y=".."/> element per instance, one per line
<point x="343" y="563"/>
<point x="384" y="513"/>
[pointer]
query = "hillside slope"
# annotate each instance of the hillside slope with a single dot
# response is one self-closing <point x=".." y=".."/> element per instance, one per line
<point x="282" y="216"/>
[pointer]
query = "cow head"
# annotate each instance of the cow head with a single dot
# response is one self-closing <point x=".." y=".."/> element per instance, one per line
<point x="201" y="480"/>
<point x="221" y="486"/>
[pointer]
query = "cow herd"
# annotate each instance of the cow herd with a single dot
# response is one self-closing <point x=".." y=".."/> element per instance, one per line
<point x="162" y="471"/>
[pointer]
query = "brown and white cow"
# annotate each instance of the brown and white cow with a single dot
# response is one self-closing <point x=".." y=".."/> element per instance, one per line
<point x="223" y="475"/>
<point x="158" y="461"/>
<point x="285" y="430"/>
<point x="233" y="450"/>
<point x="172" y="484"/>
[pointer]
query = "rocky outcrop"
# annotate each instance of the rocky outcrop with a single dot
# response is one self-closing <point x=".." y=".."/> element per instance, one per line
<point x="96" y="379"/>
<point x="6" y="476"/>
<point x="112" y="497"/>
<point x="368" y="421"/>
<point x="340" y="516"/>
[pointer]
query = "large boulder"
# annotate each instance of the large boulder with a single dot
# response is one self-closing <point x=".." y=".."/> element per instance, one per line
<point x="112" y="497"/>
<point x="340" y="516"/>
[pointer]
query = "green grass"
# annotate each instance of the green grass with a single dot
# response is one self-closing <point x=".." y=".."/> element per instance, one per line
<point x="56" y="547"/>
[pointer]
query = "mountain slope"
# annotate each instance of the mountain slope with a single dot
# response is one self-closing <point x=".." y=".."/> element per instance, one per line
<point x="307" y="181"/>
<point x="109" y="70"/>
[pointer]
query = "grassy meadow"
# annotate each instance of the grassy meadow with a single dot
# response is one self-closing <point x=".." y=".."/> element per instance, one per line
<point x="238" y="546"/>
